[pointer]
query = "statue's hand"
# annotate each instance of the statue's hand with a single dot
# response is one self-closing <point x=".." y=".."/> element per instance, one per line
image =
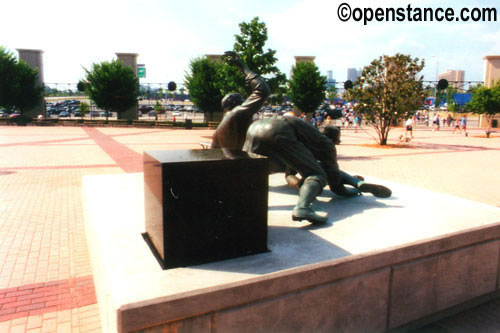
<point x="294" y="182"/>
<point x="233" y="59"/>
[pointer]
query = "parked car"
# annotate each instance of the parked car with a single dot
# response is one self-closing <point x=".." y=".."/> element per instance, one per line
<point x="146" y="108"/>
<point x="3" y="113"/>
<point x="77" y="114"/>
<point x="152" y="114"/>
<point x="94" y="114"/>
<point x="64" y="114"/>
<point x="107" y="114"/>
<point x="15" y="114"/>
<point x="176" y="113"/>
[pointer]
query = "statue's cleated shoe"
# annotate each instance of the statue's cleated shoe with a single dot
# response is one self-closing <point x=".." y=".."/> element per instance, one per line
<point x="300" y="214"/>
<point x="377" y="190"/>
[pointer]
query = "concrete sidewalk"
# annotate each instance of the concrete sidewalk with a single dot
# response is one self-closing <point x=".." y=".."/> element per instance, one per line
<point x="45" y="276"/>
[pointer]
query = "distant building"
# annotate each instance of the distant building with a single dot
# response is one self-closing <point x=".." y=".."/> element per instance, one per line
<point x="330" y="75"/>
<point x="330" y="81"/>
<point x="454" y="77"/>
<point x="491" y="76"/>
<point x="491" y="70"/>
<point x="216" y="57"/>
<point x="304" y="58"/>
<point x="353" y="74"/>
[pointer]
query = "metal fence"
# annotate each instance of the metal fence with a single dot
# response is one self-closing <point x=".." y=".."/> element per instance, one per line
<point x="147" y="91"/>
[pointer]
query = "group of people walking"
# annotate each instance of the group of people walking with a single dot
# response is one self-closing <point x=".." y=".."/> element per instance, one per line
<point x="460" y="125"/>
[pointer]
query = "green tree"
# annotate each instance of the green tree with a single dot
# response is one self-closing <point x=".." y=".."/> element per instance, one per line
<point x="331" y="92"/>
<point x="249" y="46"/>
<point x="204" y="84"/>
<point x="451" y="105"/>
<point x="19" y="87"/>
<point x="83" y="108"/>
<point x="158" y="108"/>
<point x="306" y="86"/>
<point x="389" y="90"/>
<point x="486" y="101"/>
<point x="112" y="86"/>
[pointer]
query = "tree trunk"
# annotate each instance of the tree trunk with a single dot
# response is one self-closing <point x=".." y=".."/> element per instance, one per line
<point x="384" y="131"/>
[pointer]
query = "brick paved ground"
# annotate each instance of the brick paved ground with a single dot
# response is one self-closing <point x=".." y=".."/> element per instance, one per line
<point x="45" y="275"/>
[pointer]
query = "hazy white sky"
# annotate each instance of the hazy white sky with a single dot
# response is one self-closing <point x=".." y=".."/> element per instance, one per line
<point x="168" y="34"/>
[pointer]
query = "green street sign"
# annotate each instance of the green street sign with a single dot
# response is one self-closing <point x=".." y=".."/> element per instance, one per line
<point x="141" y="71"/>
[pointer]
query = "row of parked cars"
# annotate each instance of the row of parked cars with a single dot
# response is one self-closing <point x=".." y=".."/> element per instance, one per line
<point x="5" y="114"/>
<point x="269" y="110"/>
<point x="170" y="107"/>
<point x="63" y="108"/>
<point x="68" y="108"/>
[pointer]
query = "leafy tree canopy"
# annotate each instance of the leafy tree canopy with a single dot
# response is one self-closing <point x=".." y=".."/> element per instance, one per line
<point x="388" y="90"/>
<point x="203" y="82"/>
<point x="249" y="45"/>
<point x="486" y="101"/>
<point x="209" y="80"/>
<point x="112" y="86"/>
<point x="307" y="86"/>
<point x="19" y="86"/>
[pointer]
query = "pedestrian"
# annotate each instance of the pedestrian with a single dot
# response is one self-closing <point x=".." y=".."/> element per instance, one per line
<point x="463" y="124"/>
<point x="409" y="127"/>
<point x="457" y="126"/>
<point x="329" y="121"/>
<point x="436" y="122"/>
<point x="348" y="121"/>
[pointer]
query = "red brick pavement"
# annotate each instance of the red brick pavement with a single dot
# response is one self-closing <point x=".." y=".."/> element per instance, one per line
<point x="47" y="163"/>
<point x="127" y="159"/>
<point x="40" y="298"/>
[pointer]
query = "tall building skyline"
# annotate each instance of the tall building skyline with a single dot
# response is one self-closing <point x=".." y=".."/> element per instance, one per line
<point x="353" y="74"/>
<point x="453" y="75"/>
<point x="330" y="81"/>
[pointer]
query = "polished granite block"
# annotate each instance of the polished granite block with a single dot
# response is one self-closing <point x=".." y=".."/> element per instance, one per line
<point x="205" y="205"/>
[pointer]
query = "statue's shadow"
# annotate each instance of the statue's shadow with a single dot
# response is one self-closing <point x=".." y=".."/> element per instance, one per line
<point x="337" y="207"/>
<point x="290" y="247"/>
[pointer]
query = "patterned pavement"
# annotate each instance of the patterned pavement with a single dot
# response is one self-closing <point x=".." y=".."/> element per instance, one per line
<point x="45" y="275"/>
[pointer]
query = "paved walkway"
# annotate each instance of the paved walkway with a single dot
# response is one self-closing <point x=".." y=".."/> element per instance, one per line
<point x="45" y="275"/>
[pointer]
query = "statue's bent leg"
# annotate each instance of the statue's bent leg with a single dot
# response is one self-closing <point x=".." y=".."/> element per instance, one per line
<point x="354" y="181"/>
<point x="308" y="191"/>
<point x="296" y="156"/>
<point x="360" y="186"/>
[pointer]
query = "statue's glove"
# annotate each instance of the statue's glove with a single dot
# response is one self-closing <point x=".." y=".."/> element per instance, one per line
<point x="294" y="182"/>
<point x="233" y="59"/>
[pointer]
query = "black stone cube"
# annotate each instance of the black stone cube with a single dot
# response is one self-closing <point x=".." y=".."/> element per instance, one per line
<point x="205" y="205"/>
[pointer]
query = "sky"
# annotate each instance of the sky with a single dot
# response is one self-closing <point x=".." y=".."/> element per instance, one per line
<point x="168" y="34"/>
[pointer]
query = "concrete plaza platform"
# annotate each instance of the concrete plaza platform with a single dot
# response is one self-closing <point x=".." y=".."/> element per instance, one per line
<point x="377" y="264"/>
